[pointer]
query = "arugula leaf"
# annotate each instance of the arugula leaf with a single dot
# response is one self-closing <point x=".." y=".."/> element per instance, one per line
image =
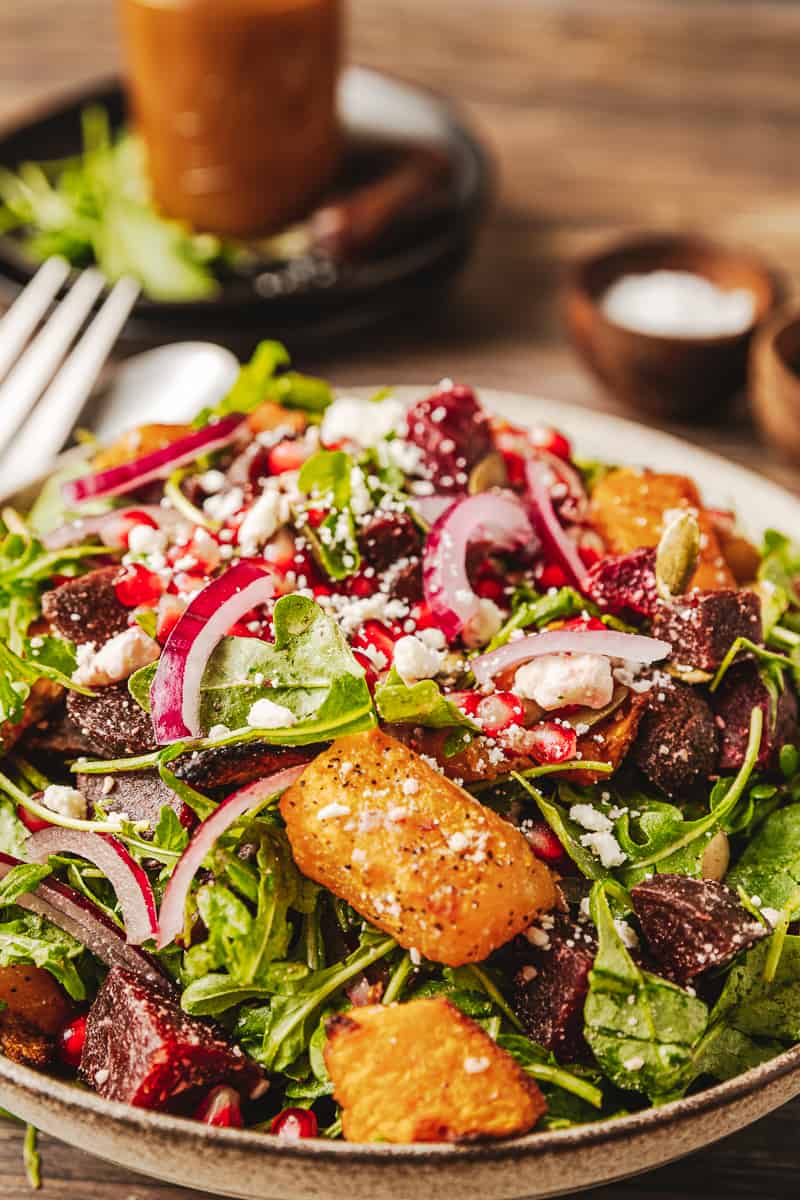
<point x="780" y="565"/>
<point x="310" y="668"/>
<point x="23" y="878"/>
<point x="279" y="1034"/>
<point x="640" y="1028"/>
<point x="13" y="833"/>
<point x="567" y="831"/>
<point x="26" y="938"/>
<point x="327" y="476"/>
<point x="419" y="703"/>
<point x="544" y="1068"/>
<point x="769" y="866"/>
<point x="541" y="610"/>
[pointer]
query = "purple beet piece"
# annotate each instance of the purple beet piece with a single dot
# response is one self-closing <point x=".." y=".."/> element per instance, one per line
<point x="676" y="743"/>
<point x="701" y="626"/>
<point x="388" y="538"/>
<point x="453" y="432"/>
<point x="551" y="985"/>
<point x="139" y="794"/>
<point x="624" y="584"/>
<point x="692" y="925"/>
<point x="87" y="609"/>
<point x="740" y="692"/>
<point x="142" y="1049"/>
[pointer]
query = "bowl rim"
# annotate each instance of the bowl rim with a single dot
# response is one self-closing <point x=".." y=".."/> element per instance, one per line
<point x="577" y="286"/>
<point x="510" y="404"/>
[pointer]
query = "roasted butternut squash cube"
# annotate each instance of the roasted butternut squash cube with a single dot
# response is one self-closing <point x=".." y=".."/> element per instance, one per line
<point x="412" y="852"/>
<point x="135" y="443"/>
<point x="270" y="416"/>
<point x="628" y="508"/>
<point x="423" y="1072"/>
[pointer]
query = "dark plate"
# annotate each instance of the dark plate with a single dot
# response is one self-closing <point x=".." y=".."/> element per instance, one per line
<point x="310" y="302"/>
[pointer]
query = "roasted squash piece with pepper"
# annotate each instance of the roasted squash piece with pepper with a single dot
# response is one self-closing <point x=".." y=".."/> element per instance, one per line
<point x="412" y="852"/>
<point x="33" y="1011"/>
<point x="423" y="1072"/>
<point x="628" y="510"/>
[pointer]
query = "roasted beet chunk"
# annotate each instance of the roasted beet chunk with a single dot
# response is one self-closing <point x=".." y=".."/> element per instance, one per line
<point x="677" y="740"/>
<point x="551" y="984"/>
<point x="142" y="1049"/>
<point x="452" y="430"/>
<point x="624" y="584"/>
<point x="692" y="925"/>
<point x="388" y="538"/>
<point x="139" y="794"/>
<point x="236" y="765"/>
<point x="702" y="625"/>
<point x="740" y="692"/>
<point x="112" y="722"/>
<point x="87" y="609"/>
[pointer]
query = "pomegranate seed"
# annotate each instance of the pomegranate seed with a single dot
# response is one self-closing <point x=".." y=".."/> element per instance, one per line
<point x="543" y="842"/>
<point x="422" y="616"/>
<point x="584" y="623"/>
<point x="589" y="555"/>
<point x="128" y="521"/>
<point x="315" y="516"/>
<point x="287" y="456"/>
<point x="491" y="589"/>
<point x="549" y="742"/>
<point x="546" y="438"/>
<point x="31" y="821"/>
<point x="170" y="611"/>
<point x="221" y="1108"/>
<point x="137" y="586"/>
<point x="294" y="1123"/>
<point x="369" y="671"/>
<point x="70" y="1042"/>
<point x="322" y="589"/>
<point x="279" y="554"/>
<point x="499" y="712"/>
<point x="551" y="576"/>
<point x="375" y="635"/>
<point x="362" y="586"/>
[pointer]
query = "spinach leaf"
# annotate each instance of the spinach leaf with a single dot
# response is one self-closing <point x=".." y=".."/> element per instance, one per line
<point x="21" y="879"/>
<point x="543" y="1067"/>
<point x="326" y="476"/>
<point x="780" y="565"/>
<point x="725" y="1053"/>
<point x="309" y="668"/>
<point x="419" y="703"/>
<point x="757" y="1005"/>
<point x="217" y="992"/>
<point x="769" y="866"/>
<point x="640" y="1028"/>
<point x="13" y="833"/>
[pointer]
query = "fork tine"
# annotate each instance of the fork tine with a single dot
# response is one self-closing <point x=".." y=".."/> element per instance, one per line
<point x="28" y="309"/>
<point x="37" y="365"/>
<point x="53" y="418"/>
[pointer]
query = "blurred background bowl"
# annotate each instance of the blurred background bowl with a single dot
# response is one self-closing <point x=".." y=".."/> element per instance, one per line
<point x="775" y="382"/>
<point x="690" y="378"/>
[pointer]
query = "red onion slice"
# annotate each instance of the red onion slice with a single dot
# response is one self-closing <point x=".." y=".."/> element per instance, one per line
<point x="128" y="879"/>
<point x="156" y="465"/>
<point x="631" y="646"/>
<point x="574" y="504"/>
<point x="558" y="545"/>
<point x="205" y="837"/>
<point x="111" y="527"/>
<point x="493" y="517"/>
<point x="175" y="694"/>
<point x="87" y="923"/>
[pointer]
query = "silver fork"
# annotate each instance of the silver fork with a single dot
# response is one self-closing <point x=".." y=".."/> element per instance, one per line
<point x="43" y="384"/>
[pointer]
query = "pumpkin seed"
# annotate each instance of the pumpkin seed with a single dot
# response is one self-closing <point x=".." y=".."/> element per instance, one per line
<point x="677" y="554"/>
<point x="488" y="473"/>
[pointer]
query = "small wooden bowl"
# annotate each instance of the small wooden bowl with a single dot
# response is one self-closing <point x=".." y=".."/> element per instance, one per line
<point x="689" y="378"/>
<point x="775" y="382"/>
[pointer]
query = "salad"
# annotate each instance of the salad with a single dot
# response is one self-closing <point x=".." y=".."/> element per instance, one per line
<point x="379" y="770"/>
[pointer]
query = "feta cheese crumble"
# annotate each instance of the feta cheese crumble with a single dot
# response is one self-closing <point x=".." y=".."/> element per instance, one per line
<point x="266" y="714"/>
<point x="414" y="660"/>
<point x="116" y="660"/>
<point x="67" y="801"/>
<point x="353" y="419"/>
<point x="555" y="680"/>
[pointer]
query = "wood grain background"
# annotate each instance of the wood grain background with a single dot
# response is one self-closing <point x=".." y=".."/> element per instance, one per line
<point x="603" y="118"/>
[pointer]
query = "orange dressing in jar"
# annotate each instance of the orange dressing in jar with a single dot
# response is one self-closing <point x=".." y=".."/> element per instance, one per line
<point x="236" y="103"/>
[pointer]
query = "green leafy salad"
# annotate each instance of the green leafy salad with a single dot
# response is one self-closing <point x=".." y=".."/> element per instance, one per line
<point x="367" y="757"/>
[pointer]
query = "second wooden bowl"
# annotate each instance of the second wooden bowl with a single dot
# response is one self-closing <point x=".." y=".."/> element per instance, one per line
<point x="685" y="377"/>
<point x="775" y="382"/>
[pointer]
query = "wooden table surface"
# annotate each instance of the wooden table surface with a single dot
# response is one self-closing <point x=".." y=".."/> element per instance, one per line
<point x="603" y="118"/>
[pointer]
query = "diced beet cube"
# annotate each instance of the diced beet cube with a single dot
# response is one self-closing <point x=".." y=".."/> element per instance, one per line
<point x="112" y="722"/>
<point x="742" y="690"/>
<point x="702" y="625"/>
<point x="87" y="609"/>
<point x="142" y="1049"/>
<point x="551" y="985"/>
<point x="692" y="925"/>
<point x="677" y="739"/>
<point x="139" y="794"/>
<point x="387" y="538"/>
<point x="624" y="584"/>
<point x="453" y="432"/>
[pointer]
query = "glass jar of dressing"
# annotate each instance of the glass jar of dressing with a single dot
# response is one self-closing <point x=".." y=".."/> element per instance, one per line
<point x="236" y="103"/>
